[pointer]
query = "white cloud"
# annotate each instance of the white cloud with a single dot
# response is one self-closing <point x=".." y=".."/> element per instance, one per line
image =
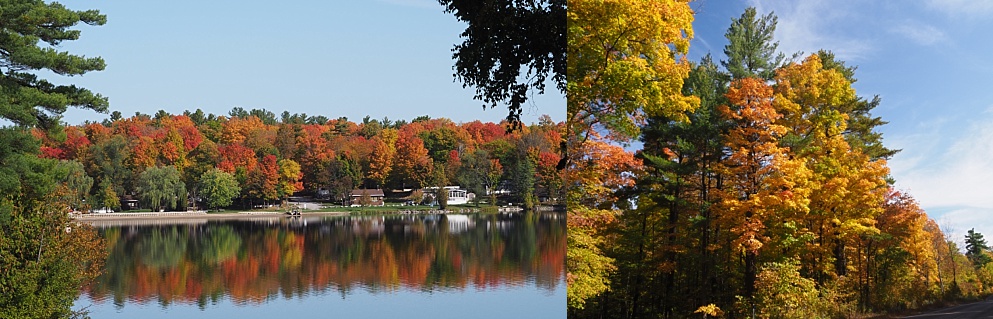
<point x="920" y="33"/>
<point x="950" y="176"/>
<point x="956" y="223"/>
<point x="955" y="176"/>
<point x="809" y="26"/>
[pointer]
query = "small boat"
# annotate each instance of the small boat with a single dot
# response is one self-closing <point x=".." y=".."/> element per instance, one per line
<point x="293" y="213"/>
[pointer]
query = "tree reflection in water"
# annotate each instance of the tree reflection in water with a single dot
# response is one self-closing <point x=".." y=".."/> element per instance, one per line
<point x="250" y="261"/>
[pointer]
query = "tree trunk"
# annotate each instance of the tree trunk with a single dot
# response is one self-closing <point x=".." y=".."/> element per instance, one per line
<point x="840" y="260"/>
<point x="751" y="257"/>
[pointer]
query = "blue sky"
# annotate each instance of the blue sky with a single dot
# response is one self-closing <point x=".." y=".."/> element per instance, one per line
<point x="333" y="58"/>
<point x="931" y="63"/>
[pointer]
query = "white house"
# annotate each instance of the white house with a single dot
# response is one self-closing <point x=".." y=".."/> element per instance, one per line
<point x="456" y="195"/>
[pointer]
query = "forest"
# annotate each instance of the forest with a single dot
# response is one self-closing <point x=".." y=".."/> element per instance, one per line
<point x="251" y="157"/>
<point x="751" y="187"/>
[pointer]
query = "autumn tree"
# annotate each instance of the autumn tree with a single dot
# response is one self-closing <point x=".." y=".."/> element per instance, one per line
<point x="604" y="170"/>
<point x="762" y="180"/>
<point x="816" y="103"/>
<point x="782" y="292"/>
<point x="313" y="151"/>
<point x="625" y="59"/>
<point x="381" y="161"/>
<point x="773" y="193"/>
<point x="47" y="258"/>
<point x="860" y="131"/>
<point x="286" y="139"/>
<point x="289" y="178"/>
<point x="263" y="182"/>
<point x="412" y="165"/>
<point x="235" y="156"/>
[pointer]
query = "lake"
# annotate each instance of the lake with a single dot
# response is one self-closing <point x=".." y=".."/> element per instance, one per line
<point x="420" y="266"/>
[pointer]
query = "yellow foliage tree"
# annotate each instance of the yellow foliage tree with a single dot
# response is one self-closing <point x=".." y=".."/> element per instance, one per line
<point x="626" y="58"/>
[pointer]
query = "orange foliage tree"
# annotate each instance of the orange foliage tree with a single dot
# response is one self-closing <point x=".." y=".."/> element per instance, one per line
<point x="762" y="180"/>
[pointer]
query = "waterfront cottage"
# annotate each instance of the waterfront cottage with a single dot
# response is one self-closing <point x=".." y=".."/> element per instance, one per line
<point x="367" y="197"/>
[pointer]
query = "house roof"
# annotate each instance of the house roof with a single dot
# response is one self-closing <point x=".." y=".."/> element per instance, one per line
<point x="370" y="192"/>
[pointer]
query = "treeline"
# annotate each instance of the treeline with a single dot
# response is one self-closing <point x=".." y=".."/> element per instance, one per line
<point x="761" y="190"/>
<point x="248" y="158"/>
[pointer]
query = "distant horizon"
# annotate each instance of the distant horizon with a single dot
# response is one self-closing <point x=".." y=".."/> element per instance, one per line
<point x="278" y="115"/>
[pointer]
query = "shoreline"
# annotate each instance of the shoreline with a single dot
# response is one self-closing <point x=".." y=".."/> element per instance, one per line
<point x="194" y="215"/>
<point x="198" y="217"/>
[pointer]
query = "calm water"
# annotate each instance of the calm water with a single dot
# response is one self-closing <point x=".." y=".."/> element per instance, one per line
<point x="455" y="266"/>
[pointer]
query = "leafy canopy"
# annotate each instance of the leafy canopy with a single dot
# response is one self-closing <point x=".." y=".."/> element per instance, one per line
<point x="625" y="61"/>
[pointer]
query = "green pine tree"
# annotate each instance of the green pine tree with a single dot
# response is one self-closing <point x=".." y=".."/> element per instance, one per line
<point x="38" y="279"/>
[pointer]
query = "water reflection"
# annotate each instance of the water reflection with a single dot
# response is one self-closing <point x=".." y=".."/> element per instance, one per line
<point x="252" y="261"/>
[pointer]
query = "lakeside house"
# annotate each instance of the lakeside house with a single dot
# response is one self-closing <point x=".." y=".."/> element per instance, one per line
<point x="367" y="197"/>
<point x="456" y="195"/>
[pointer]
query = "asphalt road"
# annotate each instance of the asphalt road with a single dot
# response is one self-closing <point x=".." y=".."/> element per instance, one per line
<point x="981" y="309"/>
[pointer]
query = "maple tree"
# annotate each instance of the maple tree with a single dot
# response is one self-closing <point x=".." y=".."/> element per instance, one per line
<point x="263" y="181"/>
<point x="817" y="103"/>
<point x="624" y="59"/>
<point x="381" y="160"/>
<point x="289" y="178"/>
<point x="237" y="155"/>
<point x="602" y="169"/>
<point x="761" y="177"/>
<point x="412" y="165"/>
